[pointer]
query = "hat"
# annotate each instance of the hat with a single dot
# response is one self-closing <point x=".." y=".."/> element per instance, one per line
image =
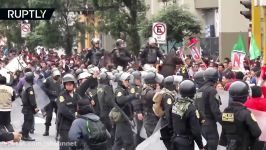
<point x="84" y="107"/>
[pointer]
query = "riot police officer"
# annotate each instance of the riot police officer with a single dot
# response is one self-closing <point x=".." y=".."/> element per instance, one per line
<point x="199" y="79"/>
<point x="67" y="107"/>
<point x="136" y="88"/>
<point x="208" y="105"/>
<point x="239" y="126"/>
<point x="95" y="53"/>
<point x="124" y="134"/>
<point x="106" y="99"/>
<point x="151" y="52"/>
<point x="148" y="91"/>
<point x="121" y="56"/>
<point x="52" y="88"/>
<point x="184" y="119"/>
<point x="29" y="106"/>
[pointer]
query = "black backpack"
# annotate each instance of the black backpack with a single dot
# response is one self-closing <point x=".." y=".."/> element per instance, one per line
<point x="96" y="131"/>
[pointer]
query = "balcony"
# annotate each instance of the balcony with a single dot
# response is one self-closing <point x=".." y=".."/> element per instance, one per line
<point x="206" y="4"/>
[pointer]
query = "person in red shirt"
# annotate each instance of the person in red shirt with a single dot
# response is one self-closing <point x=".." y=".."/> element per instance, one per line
<point x="256" y="101"/>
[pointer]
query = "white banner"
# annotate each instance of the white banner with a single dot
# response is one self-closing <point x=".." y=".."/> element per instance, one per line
<point x="25" y="29"/>
<point x="238" y="61"/>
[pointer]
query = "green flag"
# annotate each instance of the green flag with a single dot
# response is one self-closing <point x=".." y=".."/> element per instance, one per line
<point x="254" y="51"/>
<point x="239" y="45"/>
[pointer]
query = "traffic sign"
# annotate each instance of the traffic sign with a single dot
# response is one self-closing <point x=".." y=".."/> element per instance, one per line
<point x="159" y="31"/>
<point x="25" y="29"/>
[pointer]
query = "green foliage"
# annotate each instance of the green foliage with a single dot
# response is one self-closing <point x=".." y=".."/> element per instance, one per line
<point x="180" y="23"/>
<point x="121" y="19"/>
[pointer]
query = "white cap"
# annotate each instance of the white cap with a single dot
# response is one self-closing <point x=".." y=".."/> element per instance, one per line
<point x="56" y="72"/>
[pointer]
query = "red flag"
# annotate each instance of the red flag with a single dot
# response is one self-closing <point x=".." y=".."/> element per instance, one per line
<point x="192" y="42"/>
<point x="195" y="53"/>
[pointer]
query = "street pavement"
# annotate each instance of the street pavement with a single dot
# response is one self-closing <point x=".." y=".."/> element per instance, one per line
<point x="48" y="142"/>
<point x="41" y="143"/>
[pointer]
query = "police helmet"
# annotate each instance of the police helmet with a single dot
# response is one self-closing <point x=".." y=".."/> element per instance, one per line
<point x="187" y="88"/>
<point x="210" y="74"/>
<point x="95" y="40"/>
<point x="168" y="83"/>
<point x="125" y="76"/>
<point x="239" y="91"/>
<point x="159" y="78"/>
<point x="136" y="74"/>
<point x="83" y="75"/>
<point x="150" y="78"/>
<point x="199" y="77"/>
<point x="29" y="77"/>
<point x="69" y="78"/>
<point x="119" y="42"/>
<point x="152" y="40"/>
<point x="103" y="77"/>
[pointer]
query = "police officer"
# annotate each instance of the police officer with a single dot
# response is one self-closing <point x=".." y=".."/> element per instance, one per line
<point x="151" y="52"/>
<point x="199" y="79"/>
<point x="148" y="91"/>
<point x="124" y="134"/>
<point x="136" y="88"/>
<point x="239" y="126"/>
<point x="95" y="53"/>
<point x="121" y="56"/>
<point x="67" y="107"/>
<point x="52" y="88"/>
<point x="29" y="106"/>
<point x="106" y="99"/>
<point x="184" y="119"/>
<point x="208" y="105"/>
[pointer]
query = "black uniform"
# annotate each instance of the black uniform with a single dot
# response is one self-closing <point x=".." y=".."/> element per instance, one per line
<point x="124" y="133"/>
<point x="138" y="108"/>
<point x="239" y="127"/>
<point x="208" y="105"/>
<point x="185" y="124"/>
<point x="121" y="57"/>
<point x="67" y="107"/>
<point x="52" y="89"/>
<point x="106" y="103"/>
<point x="150" y="119"/>
<point x="94" y="55"/>
<point x="28" y="108"/>
<point x="149" y="55"/>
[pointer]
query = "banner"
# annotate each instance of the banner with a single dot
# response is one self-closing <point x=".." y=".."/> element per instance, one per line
<point x="195" y="53"/>
<point x="238" y="61"/>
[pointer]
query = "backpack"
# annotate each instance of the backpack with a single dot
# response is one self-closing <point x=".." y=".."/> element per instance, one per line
<point x="96" y="131"/>
<point x="157" y="99"/>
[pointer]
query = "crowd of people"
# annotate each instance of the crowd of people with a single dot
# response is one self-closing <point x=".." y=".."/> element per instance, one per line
<point x="100" y="96"/>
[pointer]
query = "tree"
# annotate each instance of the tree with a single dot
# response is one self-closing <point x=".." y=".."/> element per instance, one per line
<point x="121" y="18"/>
<point x="180" y="23"/>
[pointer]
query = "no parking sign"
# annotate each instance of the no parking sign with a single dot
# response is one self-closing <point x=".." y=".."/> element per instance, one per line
<point x="159" y="31"/>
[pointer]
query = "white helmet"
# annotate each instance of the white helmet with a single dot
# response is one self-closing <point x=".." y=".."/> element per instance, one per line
<point x="83" y="75"/>
<point x="125" y="76"/>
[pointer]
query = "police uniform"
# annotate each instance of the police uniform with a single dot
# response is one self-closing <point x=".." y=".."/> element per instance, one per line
<point x="106" y="103"/>
<point x="149" y="55"/>
<point x="138" y="109"/>
<point x="240" y="129"/>
<point x="67" y="107"/>
<point x="94" y="55"/>
<point x="124" y="134"/>
<point x="208" y="102"/>
<point x="28" y="109"/>
<point x="184" y="119"/>
<point x="150" y="119"/>
<point x="121" y="57"/>
<point x="52" y="89"/>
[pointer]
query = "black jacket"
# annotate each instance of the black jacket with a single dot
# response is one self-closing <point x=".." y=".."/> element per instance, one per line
<point x="28" y="99"/>
<point x="239" y="124"/>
